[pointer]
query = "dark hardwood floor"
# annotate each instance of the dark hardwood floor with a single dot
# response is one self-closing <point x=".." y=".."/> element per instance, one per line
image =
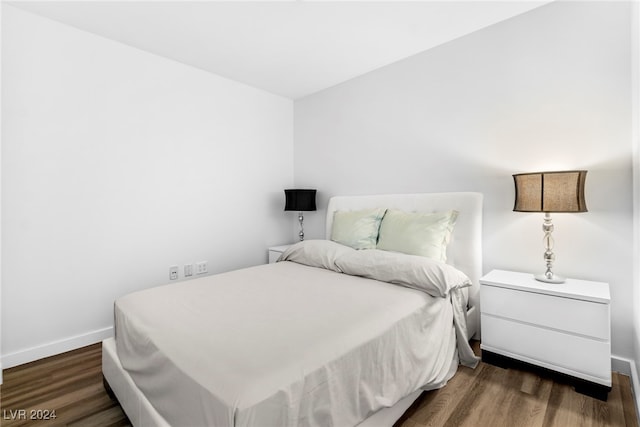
<point x="71" y="385"/>
<point x="497" y="397"/>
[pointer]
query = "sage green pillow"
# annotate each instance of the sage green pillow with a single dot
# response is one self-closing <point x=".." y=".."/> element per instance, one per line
<point x="357" y="229"/>
<point x="417" y="233"/>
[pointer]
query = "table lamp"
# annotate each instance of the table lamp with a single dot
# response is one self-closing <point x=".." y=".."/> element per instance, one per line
<point x="300" y="200"/>
<point x="549" y="192"/>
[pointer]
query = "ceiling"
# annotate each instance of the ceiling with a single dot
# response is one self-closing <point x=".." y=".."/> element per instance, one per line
<point x="290" y="48"/>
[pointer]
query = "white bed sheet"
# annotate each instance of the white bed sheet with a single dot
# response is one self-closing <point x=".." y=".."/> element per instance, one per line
<point x="306" y="346"/>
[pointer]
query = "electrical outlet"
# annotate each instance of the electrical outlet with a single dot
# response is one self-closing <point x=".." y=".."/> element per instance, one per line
<point x="201" y="267"/>
<point x="188" y="270"/>
<point x="173" y="272"/>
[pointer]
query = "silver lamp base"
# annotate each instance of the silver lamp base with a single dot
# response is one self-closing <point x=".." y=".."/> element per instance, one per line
<point x="301" y="221"/>
<point x="553" y="279"/>
<point x="549" y="276"/>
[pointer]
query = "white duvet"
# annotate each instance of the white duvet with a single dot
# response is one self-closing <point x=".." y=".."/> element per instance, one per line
<point x="284" y="344"/>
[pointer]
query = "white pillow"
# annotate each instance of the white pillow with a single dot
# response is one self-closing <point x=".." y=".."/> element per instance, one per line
<point x="357" y="229"/>
<point x="417" y="233"/>
<point x="428" y="275"/>
<point x="316" y="253"/>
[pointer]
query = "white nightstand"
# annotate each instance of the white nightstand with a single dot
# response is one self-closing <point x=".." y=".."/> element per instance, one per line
<point x="564" y="327"/>
<point x="276" y="251"/>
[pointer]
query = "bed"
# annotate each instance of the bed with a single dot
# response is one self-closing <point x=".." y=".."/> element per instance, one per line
<point x="320" y="338"/>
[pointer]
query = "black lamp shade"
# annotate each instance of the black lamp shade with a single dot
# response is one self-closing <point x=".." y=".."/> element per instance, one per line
<point x="300" y="200"/>
<point x="550" y="191"/>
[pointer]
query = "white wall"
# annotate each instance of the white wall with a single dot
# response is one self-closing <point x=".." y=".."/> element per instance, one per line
<point x="117" y="164"/>
<point x="1" y="379"/>
<point x="635" y="93"/>
<point x="547" y="90"/>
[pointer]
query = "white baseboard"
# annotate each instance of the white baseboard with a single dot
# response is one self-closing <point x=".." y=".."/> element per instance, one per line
<point x="29" y="355"/>
<point x="622" y="365"/>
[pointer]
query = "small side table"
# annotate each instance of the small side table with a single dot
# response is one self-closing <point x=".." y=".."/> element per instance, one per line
<point x="564" y="328"/>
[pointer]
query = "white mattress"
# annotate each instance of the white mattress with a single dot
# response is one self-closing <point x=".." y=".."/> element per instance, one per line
<point x="282" y="345"/>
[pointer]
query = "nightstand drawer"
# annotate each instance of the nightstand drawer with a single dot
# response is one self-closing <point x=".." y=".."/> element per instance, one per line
<point x="570" y="354"/>
<point x="564" y="314"/>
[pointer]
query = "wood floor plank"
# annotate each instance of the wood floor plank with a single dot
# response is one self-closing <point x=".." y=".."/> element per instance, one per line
<point x="486" y="405"/>
<point x="527" y="408"/>
<point x="436" y="408"/>
<point x="112" y="416"/>
<point x="40" y="390"/>
<point x="615" y="405"/>
<point x="628" y="403"/>
<point x="71" y="384"/>
<point x="530" y="401"/>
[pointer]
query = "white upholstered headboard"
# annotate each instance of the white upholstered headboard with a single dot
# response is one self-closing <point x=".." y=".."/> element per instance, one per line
<point x="465" y="249"/>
